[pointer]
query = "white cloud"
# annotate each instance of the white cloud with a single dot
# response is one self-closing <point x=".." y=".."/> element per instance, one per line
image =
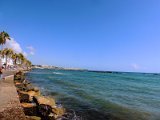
<point x="135" y="66"/>
<point x="15" y="46"/>
<point x="31" y="50"/>
<point x="18" y="49"/>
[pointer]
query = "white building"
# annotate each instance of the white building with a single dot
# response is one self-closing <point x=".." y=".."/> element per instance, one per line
<point x="3" y="61"/>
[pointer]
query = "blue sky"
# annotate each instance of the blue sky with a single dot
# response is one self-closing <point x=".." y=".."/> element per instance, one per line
<point x="120" y="35"/>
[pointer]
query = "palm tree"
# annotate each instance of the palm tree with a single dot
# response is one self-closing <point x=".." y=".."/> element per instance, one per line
<point x="28" y="64"/>
<point x="17" y="60"/>
<point x="23" y="62"/>
<point x="4" y="36"/>
<point x="14" y="58"/>
<point x="21" y="58"/>
<point x="0" y="53"/>
<point x="7" y="53"/>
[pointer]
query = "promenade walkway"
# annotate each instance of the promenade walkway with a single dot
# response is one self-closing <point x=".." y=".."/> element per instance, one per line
<point x="10" y="108"/>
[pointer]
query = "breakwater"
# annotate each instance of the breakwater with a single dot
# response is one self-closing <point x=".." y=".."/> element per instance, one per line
<point x="35" y="105"/>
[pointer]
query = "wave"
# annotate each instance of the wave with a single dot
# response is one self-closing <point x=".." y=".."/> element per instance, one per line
<point x="58" y="73"/>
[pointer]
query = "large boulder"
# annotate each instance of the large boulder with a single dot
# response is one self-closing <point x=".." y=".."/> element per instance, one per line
<point x="19" y="77"/>
<point x="32" y="118"/>
<point x="19" y="73"/>
<point x="23" y="86"/>
<point x="36" y="89"/>
<point x="45" y="105"/>
<point x="58" y="111"/>
<point x="44" y="110"/>
<point x="20" y="86"/>
<point x="24" y="94"/>
<point x="52" y="116"/>
<point x="32" y="94"/>
<point x="23" y="97"/>
<point x="30" y="109"/>
<point x="29" y="87"/>
<point x="45" y="100"/>
<point x="17" y="83"/>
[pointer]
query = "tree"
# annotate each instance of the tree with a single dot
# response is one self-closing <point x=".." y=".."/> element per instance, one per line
<point x="23" y="62"/>
<point x="15" y="58"/>
<point x="4" y="36"/>
<point x="28" y="64"/>
<point x="0" y="53"/>
<point x="21" y="58"/>
<point x="7" y="53"/>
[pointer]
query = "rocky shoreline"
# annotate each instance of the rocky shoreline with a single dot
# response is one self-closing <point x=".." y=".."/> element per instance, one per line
<point x="35" y="105"/>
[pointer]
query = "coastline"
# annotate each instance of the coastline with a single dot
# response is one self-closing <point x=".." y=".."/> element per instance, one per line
<point x="34" y="104"/>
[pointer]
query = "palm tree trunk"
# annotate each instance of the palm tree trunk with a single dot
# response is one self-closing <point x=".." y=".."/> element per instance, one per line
<point x="6" y="63"/>
<point x="15" y="62"/>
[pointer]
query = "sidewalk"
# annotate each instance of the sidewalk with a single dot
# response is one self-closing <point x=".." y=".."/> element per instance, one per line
<point x="10" y="108"/>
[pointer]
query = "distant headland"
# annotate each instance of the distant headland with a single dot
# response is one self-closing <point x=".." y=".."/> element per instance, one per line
<point x="54" y="67"/>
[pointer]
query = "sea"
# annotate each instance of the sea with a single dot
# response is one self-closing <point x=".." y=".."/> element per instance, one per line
<point x="101" y="95"/>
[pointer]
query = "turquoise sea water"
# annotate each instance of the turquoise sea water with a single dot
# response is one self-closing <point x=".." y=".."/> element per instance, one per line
<point x="102" y="95"/>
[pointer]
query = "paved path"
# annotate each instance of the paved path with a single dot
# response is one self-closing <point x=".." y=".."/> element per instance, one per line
<point x="10" y="108"/>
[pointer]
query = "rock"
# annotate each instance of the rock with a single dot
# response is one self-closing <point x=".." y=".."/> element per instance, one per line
<point x="58" y="111"/>
<point x="20" y="73"/>
<point x="19" y="78"/>
<point x="36" y="89"/>
<point x="32" y="94"/>
<point x="26" y="82"/>
<point x="20" y="87"/>
<point x="32" y="118"/>
<point x="44" y="111"/>
<point x="23" y="96"/>
<point x="30" y="109"/>
<point x="52" y="116"/>
<point x="25" y="86"/>
<point x="18" y="83"/>
<point x="28" y="104"/>
<point x="45" y="100"/>
<point x="29" y="87"/>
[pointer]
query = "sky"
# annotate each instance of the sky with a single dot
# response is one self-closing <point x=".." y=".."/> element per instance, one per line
<point x="118" y="35"/>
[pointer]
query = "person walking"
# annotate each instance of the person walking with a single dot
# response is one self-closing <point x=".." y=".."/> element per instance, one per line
<point x="1" y="72"/>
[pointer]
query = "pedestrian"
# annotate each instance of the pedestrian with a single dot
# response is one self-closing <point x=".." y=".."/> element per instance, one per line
<point x="1" y="69"/>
